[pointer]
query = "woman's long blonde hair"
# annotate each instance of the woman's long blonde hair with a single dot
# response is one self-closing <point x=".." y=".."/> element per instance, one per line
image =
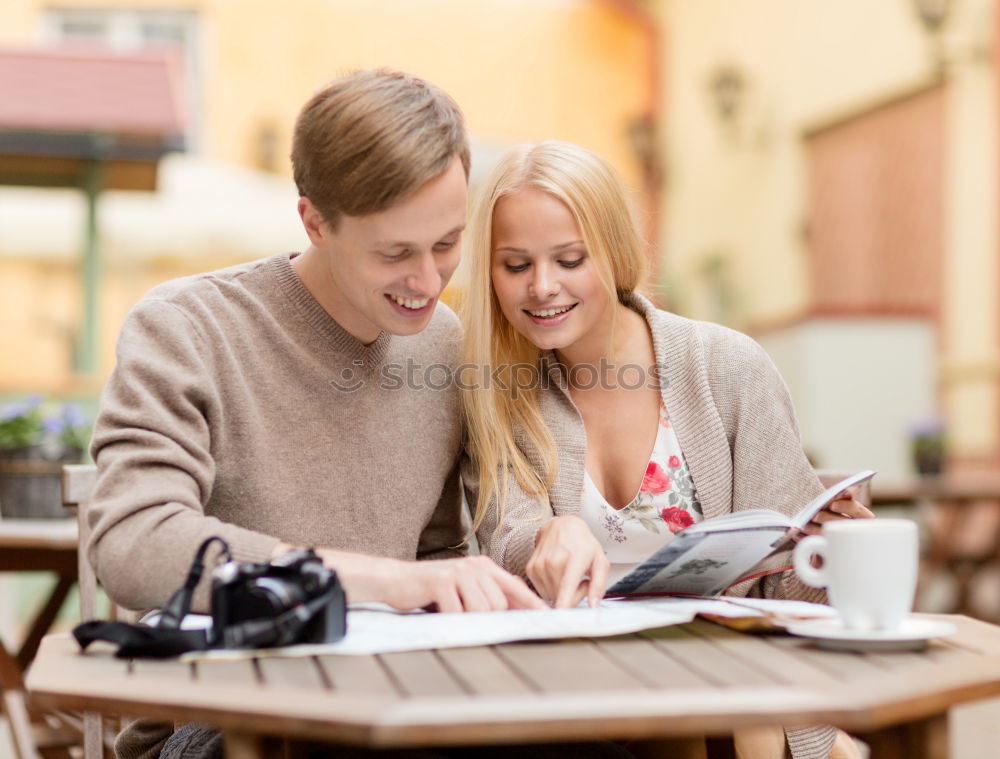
<point x="493" y="410"/>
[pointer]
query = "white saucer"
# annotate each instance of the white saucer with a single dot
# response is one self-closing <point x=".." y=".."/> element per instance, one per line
<point x="912" y="634"/>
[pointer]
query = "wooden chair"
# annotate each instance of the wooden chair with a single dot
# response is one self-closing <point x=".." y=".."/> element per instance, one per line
<point x="77" y="486"/>
<point x="34" y="734"/>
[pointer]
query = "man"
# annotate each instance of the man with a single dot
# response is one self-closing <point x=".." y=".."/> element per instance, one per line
<point x="289" y="401"/>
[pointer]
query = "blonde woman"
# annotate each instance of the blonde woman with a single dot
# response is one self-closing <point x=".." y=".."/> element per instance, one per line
<point x="600" y="426"/>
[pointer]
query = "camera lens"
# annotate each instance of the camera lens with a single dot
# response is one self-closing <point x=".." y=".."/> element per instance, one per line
<point x="267" y="596"/>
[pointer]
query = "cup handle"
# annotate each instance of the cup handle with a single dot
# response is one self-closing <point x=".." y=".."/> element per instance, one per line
<point x="813" y="545"/>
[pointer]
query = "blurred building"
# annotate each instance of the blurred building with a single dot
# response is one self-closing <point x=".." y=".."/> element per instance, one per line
<point x="819" y="173"/>
<point x="520" y="70"/>
<point x="831" y="188"/>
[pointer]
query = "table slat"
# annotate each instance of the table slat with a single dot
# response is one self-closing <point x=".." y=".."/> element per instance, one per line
<point x="777" y="663"/>
<point x="899" y="659"/>
<point x="844" y="665"/>
<point x="358" y="674"/>
<point x="973" y="634"/>
<point x="228" y="671"/>
<point x="712" y="663"/>
<point x="483" y="671"/>
<point x="65" y="663"/>
<point x="421" y="673"/>
<point x="650" y="664"/>
<point x="162" y="669"/>
<point x="570" y="665"/>
<point x="295" y="672"/>
<point x="943" y="654"/>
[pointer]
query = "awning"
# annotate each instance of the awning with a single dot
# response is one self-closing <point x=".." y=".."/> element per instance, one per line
<point x="89" y="119"/>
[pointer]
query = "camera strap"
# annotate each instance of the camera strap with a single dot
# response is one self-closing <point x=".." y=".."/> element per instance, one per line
<point x="165" y="638"/>
<point x="141" y="641"/>
<point x="179" y="605"/>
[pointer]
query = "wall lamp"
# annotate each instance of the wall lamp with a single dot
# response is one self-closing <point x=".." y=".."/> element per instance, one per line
<point x="933" y="15"/>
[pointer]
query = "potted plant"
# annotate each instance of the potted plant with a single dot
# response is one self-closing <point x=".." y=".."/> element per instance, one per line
<point x="21" y="428"/>
<point x="67" y="434"/>
<point x="36" y="438"/>
<point x="927" y="446"/>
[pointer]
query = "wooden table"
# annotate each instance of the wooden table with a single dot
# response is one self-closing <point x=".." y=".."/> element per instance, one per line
<point x="676" y="682"/>
<point x="950" y="487"/>
<point x="40" y="545"/>
<point x="960" y="542"/>
<point x="34" y="545"/>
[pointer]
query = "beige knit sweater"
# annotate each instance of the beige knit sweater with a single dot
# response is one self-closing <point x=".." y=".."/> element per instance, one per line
<point x="239" y="408"/>
<point x="737" y="428"/>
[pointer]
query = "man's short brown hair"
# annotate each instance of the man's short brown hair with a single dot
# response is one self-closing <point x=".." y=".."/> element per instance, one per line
<point x="368" y="139"/>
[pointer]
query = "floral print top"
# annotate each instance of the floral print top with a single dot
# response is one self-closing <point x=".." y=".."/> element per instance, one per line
<point x="665" y="504"/>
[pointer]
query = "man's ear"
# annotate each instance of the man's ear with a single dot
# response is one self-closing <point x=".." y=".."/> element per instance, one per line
<point x="312" y="220"/>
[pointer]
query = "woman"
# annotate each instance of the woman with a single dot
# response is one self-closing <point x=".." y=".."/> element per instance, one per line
<point x="608" y="425"/>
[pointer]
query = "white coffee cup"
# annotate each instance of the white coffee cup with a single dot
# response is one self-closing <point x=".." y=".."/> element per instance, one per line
<point x="869" y="570"/>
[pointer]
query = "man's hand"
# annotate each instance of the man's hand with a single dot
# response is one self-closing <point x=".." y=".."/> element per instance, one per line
<point x="568" y="563"/>
<point x="474" y="583"/>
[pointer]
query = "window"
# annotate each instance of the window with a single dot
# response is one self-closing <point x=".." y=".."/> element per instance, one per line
<point x="84" y="29"/>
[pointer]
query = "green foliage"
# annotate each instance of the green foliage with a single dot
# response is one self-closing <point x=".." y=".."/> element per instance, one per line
<point x="57" y="428"/>
<point x="928" y="446"/>
<point x="22" y="424"/>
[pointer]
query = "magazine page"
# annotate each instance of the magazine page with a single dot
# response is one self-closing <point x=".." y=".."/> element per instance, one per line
<point x="830" y="495"/>
<point x="750" y="519"/>
<point x="709" y="556"/>
<point x="699" y="563"/>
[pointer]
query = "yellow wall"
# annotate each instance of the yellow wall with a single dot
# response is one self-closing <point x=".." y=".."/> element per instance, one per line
<point x="740" y="192"/>
<point x="519" y="70"/>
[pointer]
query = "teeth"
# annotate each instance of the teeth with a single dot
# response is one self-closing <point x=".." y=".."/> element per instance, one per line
<point x="413" y="303"/>
<point x="547" y="312"/>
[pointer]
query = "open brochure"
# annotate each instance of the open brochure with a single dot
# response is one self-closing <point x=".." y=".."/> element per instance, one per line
<point x="709" y="556"/>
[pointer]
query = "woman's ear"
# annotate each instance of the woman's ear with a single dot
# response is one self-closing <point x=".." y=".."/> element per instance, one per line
<point x="312" y="221"/>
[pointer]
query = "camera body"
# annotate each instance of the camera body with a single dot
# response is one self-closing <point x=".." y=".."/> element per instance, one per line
<point x="291" y="599"/>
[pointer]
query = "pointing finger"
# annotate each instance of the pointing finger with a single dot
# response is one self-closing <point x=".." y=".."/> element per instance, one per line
<point x="598" y="581"/>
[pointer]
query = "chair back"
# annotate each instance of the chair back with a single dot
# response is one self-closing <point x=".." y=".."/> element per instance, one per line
<point x="77" y="486"/>
<point x="78" y="482"/>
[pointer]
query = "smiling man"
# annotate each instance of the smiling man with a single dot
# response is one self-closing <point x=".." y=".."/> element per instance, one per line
<point x="246" y="403"/>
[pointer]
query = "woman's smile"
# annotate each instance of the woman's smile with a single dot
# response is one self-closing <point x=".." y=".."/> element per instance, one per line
<point x="549" y="316"/>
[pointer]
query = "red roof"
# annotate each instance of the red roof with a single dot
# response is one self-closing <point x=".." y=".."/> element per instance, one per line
<point x="74" y="90"/>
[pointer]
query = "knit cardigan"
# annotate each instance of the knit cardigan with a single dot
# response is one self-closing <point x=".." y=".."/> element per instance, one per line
<point x="736" y="425"/>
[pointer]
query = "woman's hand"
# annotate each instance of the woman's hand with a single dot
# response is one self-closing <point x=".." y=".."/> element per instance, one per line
<point x="846" y="507"/>
<point x="568" y="563"/>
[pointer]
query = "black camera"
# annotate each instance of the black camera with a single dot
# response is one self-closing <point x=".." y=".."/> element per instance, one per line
<point x="291" y="599"/>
